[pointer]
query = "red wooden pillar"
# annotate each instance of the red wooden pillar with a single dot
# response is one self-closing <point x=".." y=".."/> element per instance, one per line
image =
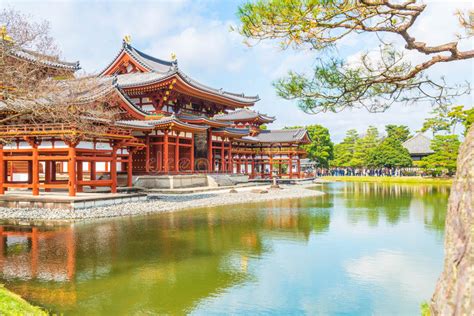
<point x="290" y="166"/>
<point x="222" y="156"/>
<point x="35" y="168"/>
<point x="71" y="169"/>
<point x="253" y="166"/>
<point x="231" y="157"/>
<point x="80" y="175"/>
<point x="176" y="153"/>
<point x="47" y="173"/>
<point x="2" y="176"/>
<point x="298" y="166"/>
<point x="93" y="174"/>
<point x="53" y="170"/>
<point x="192" y="153"/>
<point x="113" y="170"/>
<point x="147" y="153"/>
<point x="209" y="151"/>
<point x="271" y="165"/>
<point x="130" y="168"/>
<point x="165" y="153"/>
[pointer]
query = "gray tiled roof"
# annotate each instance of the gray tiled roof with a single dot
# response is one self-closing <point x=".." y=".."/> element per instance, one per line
<point x="49" y="61"/>
<point x="161" y="70"/>
<point x="418" y="144"/>
<point x="243" y="114"/>
<point x="279" y="136"/>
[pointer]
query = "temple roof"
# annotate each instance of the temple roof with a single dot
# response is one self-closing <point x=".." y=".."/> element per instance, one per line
<point x="48" y="61"/>
<point x="154" y="70"/>
<point x="231" y="132"/>
<point x="299" y="135"/>
<point x="418" y="144"/>
<point x="165" y="122"/>
<point x="244" y="115"/>
<point x="195" y="119"/>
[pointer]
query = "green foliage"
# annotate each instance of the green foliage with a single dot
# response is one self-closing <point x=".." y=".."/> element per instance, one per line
<point x="321" y="148"/>
<point x="364" y="147"/>
<point x="390" y="153"/>
<point x="12" y="304"/>
<point x="443" y="160"/>
<point x="425" y="309"/>
<point x="344" y="151"/>
<point x="445" y="118"/>
<point x="399" y="132"/>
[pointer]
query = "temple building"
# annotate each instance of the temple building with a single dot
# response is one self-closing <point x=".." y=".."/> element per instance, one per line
<point x="418" y="146"/>
<point x="168" y="124"/>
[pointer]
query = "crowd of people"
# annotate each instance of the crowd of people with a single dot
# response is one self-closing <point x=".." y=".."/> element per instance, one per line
<point x="374" y="172"/>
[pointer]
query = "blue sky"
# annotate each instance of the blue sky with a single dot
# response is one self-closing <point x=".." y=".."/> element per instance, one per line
<point x="199" y="33"/>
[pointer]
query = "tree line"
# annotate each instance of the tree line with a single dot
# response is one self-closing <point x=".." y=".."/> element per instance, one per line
<point x="373" y="149"/>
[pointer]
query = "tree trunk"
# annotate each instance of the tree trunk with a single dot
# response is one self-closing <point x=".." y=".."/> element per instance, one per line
<point x="454" y="293"/>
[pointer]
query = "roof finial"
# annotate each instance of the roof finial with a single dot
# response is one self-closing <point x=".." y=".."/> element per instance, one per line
<point x="173" y="56"/>
<point x="4" y="35"/>
<point x="127" y="39"/>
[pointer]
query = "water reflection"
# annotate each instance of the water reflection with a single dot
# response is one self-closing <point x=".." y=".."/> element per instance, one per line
<point x="196" y="260"/>
<point x="395" y="202"/>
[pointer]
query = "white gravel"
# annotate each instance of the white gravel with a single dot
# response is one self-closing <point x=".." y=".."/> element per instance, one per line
<point x="162" y="203"/>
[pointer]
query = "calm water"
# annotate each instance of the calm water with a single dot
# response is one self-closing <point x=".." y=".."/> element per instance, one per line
<point x="361" y="249"/>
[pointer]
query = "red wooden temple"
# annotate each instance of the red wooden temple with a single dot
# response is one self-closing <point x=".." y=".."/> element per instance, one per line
<point x="169" y="124"/>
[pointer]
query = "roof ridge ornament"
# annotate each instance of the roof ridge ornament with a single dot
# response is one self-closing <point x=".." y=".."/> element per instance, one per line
<point x="127" y="40"/>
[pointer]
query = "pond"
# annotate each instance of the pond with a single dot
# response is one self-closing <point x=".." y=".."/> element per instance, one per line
<point x="360" y="249"/>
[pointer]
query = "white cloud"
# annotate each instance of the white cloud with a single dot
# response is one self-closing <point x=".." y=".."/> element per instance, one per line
<point x="198" y="32"/>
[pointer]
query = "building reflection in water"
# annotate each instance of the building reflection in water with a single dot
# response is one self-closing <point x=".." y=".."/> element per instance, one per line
<point x="165" y="263"/>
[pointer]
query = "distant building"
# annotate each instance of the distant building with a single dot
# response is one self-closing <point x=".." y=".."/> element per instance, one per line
<point x="418" y="146"/>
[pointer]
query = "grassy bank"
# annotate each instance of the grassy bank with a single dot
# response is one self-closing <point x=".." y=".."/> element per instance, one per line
<point x="410" y="180"/>
<point x="12" y="304"/>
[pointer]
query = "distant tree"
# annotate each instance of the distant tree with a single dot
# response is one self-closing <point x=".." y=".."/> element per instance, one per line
<point x="344" y="151"/>
<point x="321" y="148"/>
<point x="391" y="154"/>
<point x="446" y="118"/>
<point x="364" y="147"/>
<point x="443" y="160"/>
<point x="263" y="127"/>
<point x="399" y="132"/>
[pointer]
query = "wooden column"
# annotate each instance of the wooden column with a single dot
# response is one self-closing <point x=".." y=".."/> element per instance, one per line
<point x="165" y="153"/>
<point x="222" y="156"/>
<point x="53" y="170"/>
<point x="2" y="175"/>
<point x="253" y="166"/>
<point x="47" y="173"/>
<point x="147" y="153"/>
<point x="130" y="168"/>
<point x="113" y="170"/>
<point x="176" y="153"/>
<point x="271" y="165"/>
<point x="71" y="169"/>
<point x="192" y="153"/>
<point x="35" y="168"/>
<point x="209" y="151"/>
<point x="290" y="166"/>
<point x="93" y="174"/>
<point x="80" y="175"/>
<point x="298" y="164"/>
<point x="231" y="157"/>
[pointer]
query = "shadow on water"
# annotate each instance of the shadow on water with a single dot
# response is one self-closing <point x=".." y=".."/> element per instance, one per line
<point x="170" y="263"/>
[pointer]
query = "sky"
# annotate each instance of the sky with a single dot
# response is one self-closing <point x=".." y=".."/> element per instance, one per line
<point x="199" y="33"/>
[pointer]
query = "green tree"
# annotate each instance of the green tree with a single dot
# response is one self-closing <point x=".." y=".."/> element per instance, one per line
<point x="446" y="118"/>
<point x="399" y="132"/>
<point x="390" y="153"/>
<point x="443" y="160"/>
<point x="344" y="151"/>
<point x="364" y="147"/>
<point x="321" y="148"/>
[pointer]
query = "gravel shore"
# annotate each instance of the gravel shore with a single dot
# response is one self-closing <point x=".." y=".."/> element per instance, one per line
<point x="163" y="203"/>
